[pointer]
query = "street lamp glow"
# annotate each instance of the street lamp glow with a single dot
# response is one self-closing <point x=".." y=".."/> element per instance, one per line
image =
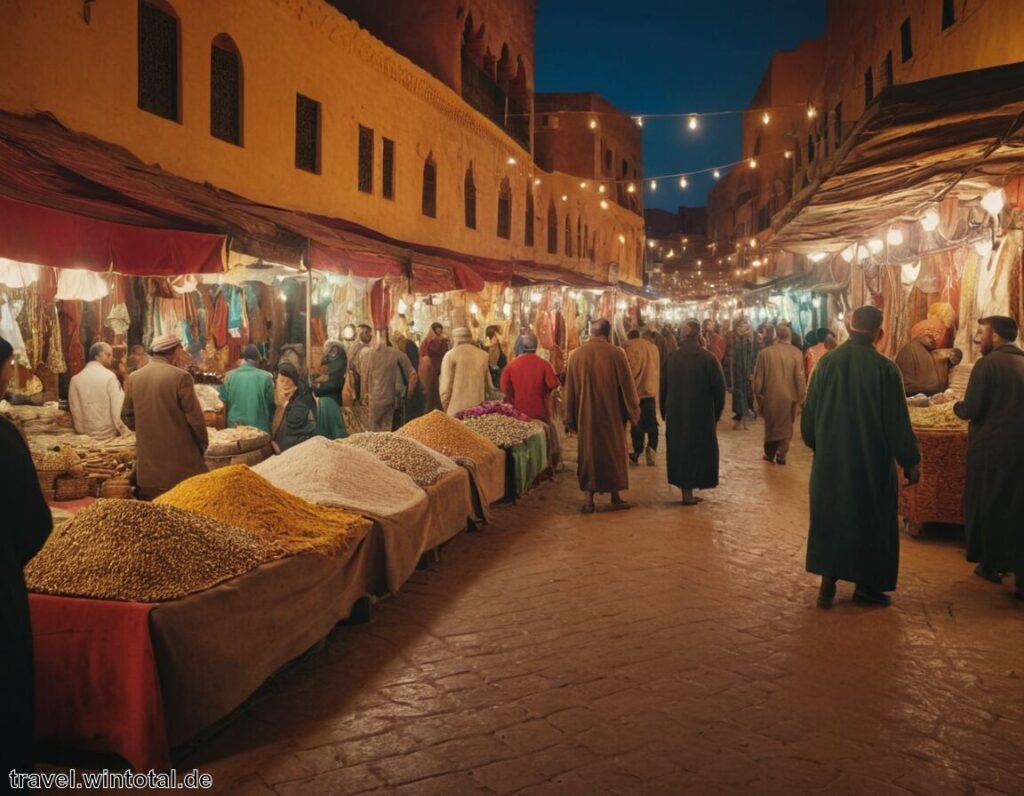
<point x="682" y="182"/>
<point x="692" y="123"/>
<point x="716" y="174"/>
<point x="593" y="124"/>
<point x="765" y="118"/>
<point x="654" y="185"/>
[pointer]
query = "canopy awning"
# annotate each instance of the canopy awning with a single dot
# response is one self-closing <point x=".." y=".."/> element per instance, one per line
<point x="915" y="145"/>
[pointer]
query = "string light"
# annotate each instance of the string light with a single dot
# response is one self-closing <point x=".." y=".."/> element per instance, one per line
<point x="631" y="188"/>
<point x="876" y="246"/>
<point x="930" y="221"/>
<point x="537" y="181"/>
<point x="753" y="163"/>
<point x="788" y="154"/>
<point x="654" y="185"/>
<point x="593" y="124"/>
<point x="765" y="118"/>
<point x="753" y="243"/>
<point x="894" y="237"/>
<point x="993" y="202"/>
<point x="583" y="185"/>
<point x="848" y="252"/>
<point x="692" y="123"/>
<point x="716" y="174"/>
<point x="817" y="257"/>
<point x="811" y="111"/>
<point x="511" y="161"/>
<point x="650" y="244"/>
<point x="639" y="121"/>
<point x="622" y="238"/>
<point x="604" y="204"/>
<point x="682" y="182"/>
<point x="600" y="189"/>
<point x="565" y="197"/>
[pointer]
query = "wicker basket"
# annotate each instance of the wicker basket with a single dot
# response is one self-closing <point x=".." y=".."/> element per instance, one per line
<point x="48" y="479"/>
<point x="72" y="488"/>
<point x="939" y="496"/>
<point x="250" y="458"/>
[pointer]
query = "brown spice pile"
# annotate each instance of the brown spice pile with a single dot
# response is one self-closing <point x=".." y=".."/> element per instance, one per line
<point x="448" y="436"/>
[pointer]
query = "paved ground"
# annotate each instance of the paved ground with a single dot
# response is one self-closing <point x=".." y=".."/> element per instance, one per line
<point x="662" y="650"/>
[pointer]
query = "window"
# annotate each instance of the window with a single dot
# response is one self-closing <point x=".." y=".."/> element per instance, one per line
<point x="810" y="147"/>
<point x="839" y="122"/>
<point x="470" y="194"/>
<point x="552" y="229"/>
<point x="568" y="236"/>
<point x="948" y="13"/>
<point x="579" y="236"/>
<point x="365" y="159"/>
<point x="387" y="178"/>
<point x="430" y="187"/>
<point x="307" y="134"/>
<point x="528" y="221"/>
<point x="906" y="41"/>
<point x="505" y="210"/>
<point x="225" y="91"/>
<point x="797" y="164"/>
<point x="608" y="162"/>
<point x="158" y="59"/>
<point x="887" y="70"/>
<point x="869" y="87"/>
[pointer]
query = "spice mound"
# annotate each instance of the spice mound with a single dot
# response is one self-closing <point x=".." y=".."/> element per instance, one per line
<point x="129" y="550"/>
<point x="325" y="472"/>
<point x="416" y="460"/>
<point x="938" y="418"/>
<point x="237" y="495"/>
<point x="503" y="431"/>
<point x="492" y="408"/>
<point x="448" y="436"/>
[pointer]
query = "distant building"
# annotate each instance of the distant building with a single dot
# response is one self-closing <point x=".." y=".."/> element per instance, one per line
<point x="681" y="260"/>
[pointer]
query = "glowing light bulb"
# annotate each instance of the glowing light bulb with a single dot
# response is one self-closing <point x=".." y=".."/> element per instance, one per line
<point x="565" y="197"/>
<point x="753" y="243"/>
<point x="875" y="245"/>
<point x="817" y="257"/>
<point x="507" y="309"/>
<point x="753" y="163"/>
<point x="716" y="174"/>
<point x="765" y="118"/>
<point x="930" y="221"/>
<point x="600" y="189"/>
<point x="993" y="202"/>
<point x="863" y="253"/>
<point x="604" y="204"/>
<point x="593" y="124"/>
<point x="654" y="185"/>
<point x="848" y="253"/>
<point x="631" y="188"/>
<point x="537" y="181"/>
<point x="583" y="185"/>
<point x="682" y="182"/>
<point x="811" y="111"/>
<point x="511" y="161"/>
<point x="474" y="309"/>
<point x="622" y="238"/>
<point x="788" y="154"/>
<point x="692" y="123"/>
<point x="894" y="237"/>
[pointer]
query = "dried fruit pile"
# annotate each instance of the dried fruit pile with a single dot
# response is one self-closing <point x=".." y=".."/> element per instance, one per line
<point x="448" y="436"/>
<point x="416" y="460"/>
<point x="237" y="495"/>
<point x="939" y="417"/>
<point x="130" y="550"/>
<point x="503" y="431"/>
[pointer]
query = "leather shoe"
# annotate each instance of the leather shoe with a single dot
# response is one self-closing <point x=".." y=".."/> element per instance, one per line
<point x="988" y="574"/>
<point x="827" y="592"/>
<point x="868" y="597"/>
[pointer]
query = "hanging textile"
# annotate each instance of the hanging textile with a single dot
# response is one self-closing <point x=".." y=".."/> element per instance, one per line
<point x="17" y="275"/>
<point x="73" y="284"/>
<point x="11" y="332"/>
<point x="380" y="304"/>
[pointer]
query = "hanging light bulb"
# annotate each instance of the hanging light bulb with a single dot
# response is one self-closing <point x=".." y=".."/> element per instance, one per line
<point x="622" y="238"/>
<point x="682" y="182"/>
<point x="716" y="174"/>
<point x="983" y="247"/>
<point x="654" y="185"/>
<point x="894" y="237"/>
<point x="600" y="189"/>
<point x="593" y="124"/>
<point x="817" y="257"/>
<point x="639" y="121"/>
<point x="848" y="253"/>
<point x="930" y="221"/>
<point x="536" y="296"/>
<point x="565" y="197"/>
<point x="511" y="161"/>
<point x="692" y="123"/>
<point x="756" y="263"/>
<point x="811" y="111"/>
<point x="753" y="163"/>
<point x="402" y="307"/>
<point x="507" y="309"/>
<point x="993" y="202"/>
<point x="604" y="204"/>
<point x="537" y="181"/>
<point x="650" y="244"/>
<point x="753" y="243"/>
<point x="863" y="253"/>
<point x="876" y="246"/>
<point x="788" y="154"/>
<point x="583" y="185"/>
<point x="631" y="188"/>
<point x="765" y="118"/>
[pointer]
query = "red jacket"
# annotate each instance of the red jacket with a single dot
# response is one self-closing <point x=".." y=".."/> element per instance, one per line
<point x="526" y="382"/>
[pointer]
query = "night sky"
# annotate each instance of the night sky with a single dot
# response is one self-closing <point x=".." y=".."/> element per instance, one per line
<point x="671" y="56"/>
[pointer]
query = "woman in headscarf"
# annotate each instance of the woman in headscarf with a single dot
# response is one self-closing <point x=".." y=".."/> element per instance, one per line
<point x="328" y="387"/>
<point x="295" y="416"/>
<point x="26" y="525"/>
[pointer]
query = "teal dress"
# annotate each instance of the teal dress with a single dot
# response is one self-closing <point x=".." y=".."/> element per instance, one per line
<point x="330" y="422"/>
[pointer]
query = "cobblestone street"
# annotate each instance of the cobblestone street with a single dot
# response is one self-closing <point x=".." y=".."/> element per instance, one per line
<point x="661" y="650"/>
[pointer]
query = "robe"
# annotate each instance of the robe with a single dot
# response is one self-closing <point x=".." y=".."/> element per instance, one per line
<point x="600" y="397"/>
<point x="432" y="351"/>
<point x="25" y="527"/>
<point x="994" y="491"/>
<point x="692" y="401"/>
<point x="161" y="407"/>
<point x="856" y="422"/>
<point x="779" y="386"/>
<point x="922" y="371"/>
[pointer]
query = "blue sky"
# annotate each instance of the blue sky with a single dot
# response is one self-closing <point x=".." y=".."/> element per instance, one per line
<point x="659" y="56"/>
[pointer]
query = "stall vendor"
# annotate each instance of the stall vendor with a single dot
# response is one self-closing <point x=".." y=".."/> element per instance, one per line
<point x="95" y="396"/>
<point x="161" y="407"/>
<point x="248" y="393"/>
<point x="924" y="369"/>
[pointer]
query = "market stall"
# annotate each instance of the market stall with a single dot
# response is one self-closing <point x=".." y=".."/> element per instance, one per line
<point x="939" y="495"/>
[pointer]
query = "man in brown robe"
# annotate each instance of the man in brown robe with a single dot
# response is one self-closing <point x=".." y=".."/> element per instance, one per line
<point x="161" y="407"/>
<point x="600" y="398"/>
<point x="779" y="386"/>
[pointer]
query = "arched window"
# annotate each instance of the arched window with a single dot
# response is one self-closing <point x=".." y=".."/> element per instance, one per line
<point x="159" y="45"/>
<point x="528" y="221"/>
<point x="430" y="187"/>
<point x="552" y="229"/>
<point x="470" y="193"/>
<point x="579" y="236"/>
<point x="226" y="90"/>
<point x="585" y="252"/>
<point x="568" y="236"/>
<point x="505" y="210"/>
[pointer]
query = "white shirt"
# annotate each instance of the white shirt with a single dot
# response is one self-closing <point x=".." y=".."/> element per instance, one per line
<point x="465" y="376"/>
<point x="96" y="397"/>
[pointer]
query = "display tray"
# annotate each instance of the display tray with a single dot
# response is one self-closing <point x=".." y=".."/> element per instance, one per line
<point x="136" y="679"/>
<point x="939" y="496"/>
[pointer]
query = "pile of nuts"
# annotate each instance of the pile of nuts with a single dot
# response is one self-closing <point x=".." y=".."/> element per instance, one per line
<point x="235" y="440"/>
<point x="939" y="417"/>
<point x="505" y="432"/>
<point x="416" y="460"/>
<point x="448" y="436"/>
<point x="141" y="552"/>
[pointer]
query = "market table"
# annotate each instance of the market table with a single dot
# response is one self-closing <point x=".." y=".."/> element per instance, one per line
<point x="451" y="507"/>
<point x="526" y="461"/>
<point x="136" y="679"/>
<point x="939" y="495"/>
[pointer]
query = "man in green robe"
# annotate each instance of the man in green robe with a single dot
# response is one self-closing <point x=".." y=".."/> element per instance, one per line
<point x="856" y="422"/>
<point x="248" y="393"/>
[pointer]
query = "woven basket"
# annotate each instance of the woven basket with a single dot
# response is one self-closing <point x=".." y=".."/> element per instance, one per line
<point x="116" y="488"/>
<point x="72" y="488"/>
<point x="939" y="496"/>
<point x="48" y="479"/>
<point x="249" y="458"/>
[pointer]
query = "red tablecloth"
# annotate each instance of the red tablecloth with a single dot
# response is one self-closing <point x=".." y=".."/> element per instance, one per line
<point x="96" y="678"/>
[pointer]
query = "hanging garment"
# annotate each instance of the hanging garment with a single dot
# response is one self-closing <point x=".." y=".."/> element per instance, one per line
<point x="17" y="275"/>
<point x="73" y="284"/>
<point x="11" y="332"/>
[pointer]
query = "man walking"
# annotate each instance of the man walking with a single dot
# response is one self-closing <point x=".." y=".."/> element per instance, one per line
<point x="645" y="365"/>
<point x="527" y="382"/>
<point x="856" y="422"/>
<point x="994" y="492"/>
<point x="161" y="407"/>
<point x="388" y="380"/>
<point x="248" y="393"/>
<point x="779" y="387"/>
<point x="465" y="374"/>
<point x="95" y="396"/>
<point x="692" y="401"/>
<point x="741" y="358"/>
<point x="600" y="398"/>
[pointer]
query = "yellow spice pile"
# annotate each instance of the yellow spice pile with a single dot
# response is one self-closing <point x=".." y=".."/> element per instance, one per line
<point x="237" y="495"/>
<point x="448" y="436"/>
<point x="939" y="417"/>
<point x="130" y="550"/>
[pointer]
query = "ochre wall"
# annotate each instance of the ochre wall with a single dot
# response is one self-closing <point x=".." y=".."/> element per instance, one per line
<point x="86" y="75"/>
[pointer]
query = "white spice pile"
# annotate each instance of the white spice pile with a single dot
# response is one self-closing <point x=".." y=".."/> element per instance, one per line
<point x="409" y="456"/>
<point x="324" y="472"/>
